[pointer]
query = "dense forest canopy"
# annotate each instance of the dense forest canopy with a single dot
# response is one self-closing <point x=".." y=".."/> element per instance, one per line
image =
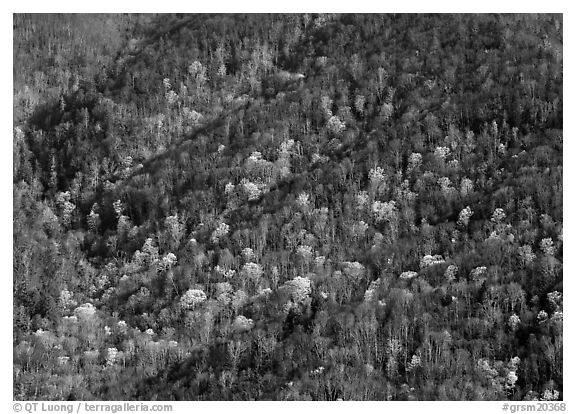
<point x="288" y="207"/>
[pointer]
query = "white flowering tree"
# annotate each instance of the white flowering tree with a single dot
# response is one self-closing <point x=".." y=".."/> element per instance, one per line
<point x="192" y="298"/>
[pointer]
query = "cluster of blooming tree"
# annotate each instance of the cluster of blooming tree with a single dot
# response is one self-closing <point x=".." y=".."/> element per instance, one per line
<point x="269" y="207"/>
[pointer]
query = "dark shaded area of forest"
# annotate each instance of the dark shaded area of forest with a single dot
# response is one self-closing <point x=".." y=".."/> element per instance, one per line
<point x="288" y="207"/>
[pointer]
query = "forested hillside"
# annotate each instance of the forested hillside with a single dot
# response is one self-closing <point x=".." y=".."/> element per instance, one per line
<point x="288" y="207"/>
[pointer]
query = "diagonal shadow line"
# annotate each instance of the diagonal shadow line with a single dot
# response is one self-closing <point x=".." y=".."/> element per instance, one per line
<point x="150" y="164"/>
<point x="142" y="44"/>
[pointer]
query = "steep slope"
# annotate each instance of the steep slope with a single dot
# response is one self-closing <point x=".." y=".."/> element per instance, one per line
<point x="289" y="207"/>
